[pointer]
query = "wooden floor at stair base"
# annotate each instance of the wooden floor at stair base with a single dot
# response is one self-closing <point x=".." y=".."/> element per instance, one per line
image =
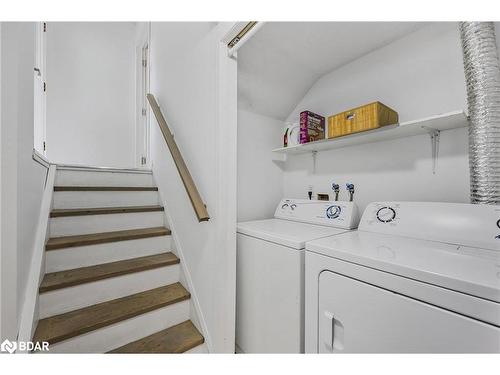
<point x="65" y="326"/>
<point x="177" y="339"/>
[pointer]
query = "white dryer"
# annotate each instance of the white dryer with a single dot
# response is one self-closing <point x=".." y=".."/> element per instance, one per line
<point x="270" y="272"/>
<point x="415" y="277"/>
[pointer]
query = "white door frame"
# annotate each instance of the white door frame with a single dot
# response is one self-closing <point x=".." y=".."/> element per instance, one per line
<point x="143" y="113"/>
<point x="39" y="87"/>
<point x="225" y="211"/>
<point x="226" y="174"/>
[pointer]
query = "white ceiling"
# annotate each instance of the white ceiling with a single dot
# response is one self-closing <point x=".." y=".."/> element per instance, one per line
<point x="281" y="62"/>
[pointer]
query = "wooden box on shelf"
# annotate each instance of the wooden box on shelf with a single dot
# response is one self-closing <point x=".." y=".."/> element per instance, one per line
<point x="367" y="117"/>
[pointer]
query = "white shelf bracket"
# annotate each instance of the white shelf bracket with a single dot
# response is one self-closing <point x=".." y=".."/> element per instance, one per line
<point x="314" y="153"/>
<point x="434" y="134"/>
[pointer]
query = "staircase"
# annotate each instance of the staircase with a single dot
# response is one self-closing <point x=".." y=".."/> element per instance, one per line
<point x="112" y="283"/>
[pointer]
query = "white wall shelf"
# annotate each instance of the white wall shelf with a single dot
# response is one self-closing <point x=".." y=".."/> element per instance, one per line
<point x="429" y="125"/>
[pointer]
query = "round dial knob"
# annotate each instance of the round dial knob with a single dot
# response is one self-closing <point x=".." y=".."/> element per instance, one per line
<point x="293" y="206"/>
<point x="386" y="214"/>
<point x="498" y="223"/>
<point x="333" y="212"/>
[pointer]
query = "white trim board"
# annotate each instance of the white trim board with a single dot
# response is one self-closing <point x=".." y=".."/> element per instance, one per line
<point x="29" y="312"/>
<point x="40" y="159"/>
<point x="39" y="93"/>
<point x="226" y="175"/>
<point x="142" y="123"/>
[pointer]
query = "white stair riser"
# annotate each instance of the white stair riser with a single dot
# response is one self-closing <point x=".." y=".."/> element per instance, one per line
<point x="72" y="298"/>
<point x="119" y="334"/>
<point x="87" y="224"/>
<point x="100" y="178"/>
<point x="83" y="256"/>
<point x="92" y="199"/>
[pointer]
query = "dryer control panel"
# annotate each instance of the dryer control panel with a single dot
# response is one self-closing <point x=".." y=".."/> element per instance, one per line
<point x="330" y="213"/>
<point x="462" y="224"/>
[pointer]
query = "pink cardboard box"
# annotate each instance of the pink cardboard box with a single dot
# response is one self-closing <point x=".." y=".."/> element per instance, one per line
<point x="312" y="127"/>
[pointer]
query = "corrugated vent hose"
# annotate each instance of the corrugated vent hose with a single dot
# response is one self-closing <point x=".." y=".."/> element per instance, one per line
<point x="482" y="74"/>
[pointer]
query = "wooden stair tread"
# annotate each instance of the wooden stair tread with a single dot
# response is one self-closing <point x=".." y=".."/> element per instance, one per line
<point x="64" y="326"/>
<point x="103" y="210"/>
<point x="105" y="237"/>
<point x="67" y="278"/>
<point x="105" y="188"/>
<point x="177" y="339"/>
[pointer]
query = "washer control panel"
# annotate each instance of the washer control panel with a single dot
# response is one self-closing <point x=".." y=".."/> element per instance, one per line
<point x="457" y="223"/>
<point x="330" y="213"/>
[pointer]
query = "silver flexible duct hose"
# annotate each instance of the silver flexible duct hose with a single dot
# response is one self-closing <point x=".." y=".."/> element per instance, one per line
<point x="482" y="74"/>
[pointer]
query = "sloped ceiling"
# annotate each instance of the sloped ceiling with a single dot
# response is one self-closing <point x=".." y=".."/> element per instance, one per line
<point x="281" y="62"/>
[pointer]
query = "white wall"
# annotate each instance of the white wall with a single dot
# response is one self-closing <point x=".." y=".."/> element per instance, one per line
<point x="419" y="75"/>
<point x="22" y="178"/>
<point x="3" y="297"/>
<point x="260" y="180"/>
<point x="91" y="93"/>
<point x="185" y="80"/>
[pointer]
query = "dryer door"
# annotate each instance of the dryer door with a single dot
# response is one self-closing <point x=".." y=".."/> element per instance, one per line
<point x="358" y="317"/>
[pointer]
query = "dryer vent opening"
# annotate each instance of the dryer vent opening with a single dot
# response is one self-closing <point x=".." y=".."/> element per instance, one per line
<point x="482" y="74"/>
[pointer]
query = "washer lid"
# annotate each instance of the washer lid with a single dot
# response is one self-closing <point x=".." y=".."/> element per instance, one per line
<point x="467" y="270"/>
<point x="285" y="232"/>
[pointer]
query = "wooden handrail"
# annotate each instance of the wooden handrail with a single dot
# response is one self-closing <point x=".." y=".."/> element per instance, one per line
<point x="199" y="207"/>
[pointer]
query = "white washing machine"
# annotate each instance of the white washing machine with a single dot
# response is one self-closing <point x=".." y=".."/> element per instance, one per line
<point x="270" y="272"/>
<point x="414" y="277"/>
